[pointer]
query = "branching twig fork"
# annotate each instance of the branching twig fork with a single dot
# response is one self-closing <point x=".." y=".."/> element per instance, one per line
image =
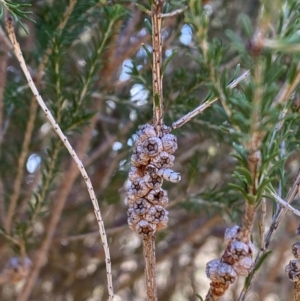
<point x="183" y="120"/>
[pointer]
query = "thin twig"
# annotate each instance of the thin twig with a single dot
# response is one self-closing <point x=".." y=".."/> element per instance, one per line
<point x="174" y="13"/>
<point x="72" y="152"/>
<point x="195" y="229"/>
<point x="287" y="89"/>
<point x="30" y="125"/>
<point x="149" y="255"/>
<point x="284" y="204"/>
<point x="180" y="122"/>
<point x="156" y="64"/>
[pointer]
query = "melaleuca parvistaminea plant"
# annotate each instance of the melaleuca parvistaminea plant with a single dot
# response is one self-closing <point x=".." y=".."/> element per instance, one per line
<point x="151" y="161"/>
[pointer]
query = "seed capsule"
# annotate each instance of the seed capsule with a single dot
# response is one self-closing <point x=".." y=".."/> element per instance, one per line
<point x="157" y="215"/>
<point x="154" y="181"/>
<point x="293" y="270"/>
<point x="152" y="146"/>
<point x="133" y="218"/>
<point x="135" y="173"/>
<point x="169" y="143"/>
<point x="141" y="206"/>
<point x="139" y="157"/>
<point x="169" y="175"/>
<point x="212" y="268"/>
<point x="139" y="188"/>
<point x="151" y="170"/>
<point x="243" y="266"/>
<point x="144" y="132"/>
<point x="231" y="233"/>
<point x="145" y="229"/>
<point x="227" y="273"/>
<point x="15" y="270"/>
<point x="163" y="160"/>
<point x="218" y="271"/>
<point x="239" y="250"/>
<point x="296" y="249"/>
<point x="158" y="197"/>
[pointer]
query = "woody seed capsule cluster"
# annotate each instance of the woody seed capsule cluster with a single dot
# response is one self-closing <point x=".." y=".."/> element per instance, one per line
<point x="151" y="162"/>
<point x="235" y="261"/>
<point x="292" y="270"/>
<point x="15" y="270"/>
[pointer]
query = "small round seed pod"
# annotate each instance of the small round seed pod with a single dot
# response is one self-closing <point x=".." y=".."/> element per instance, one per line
<point x="131" y="196"/>
<point x="137" y="160"/>
<point x="139" y="157"/>
<point x="169" y="175"/>
<point x="231" y="233"/>
<point x="218" y="271"/>
<point x="296" y="249"/>
<point x="141" y="206"/>
<point x="243" y="266"/>
<point x="298" y="229"/>
<point x="238" y="250"/>
<point x="212" y="268"/>
<point x="138" y="188"/>
<point x="135" y="173"/>
<point x="163" y="160"/>
<point x="226" y="273"/>
<point x="152" y="146"/>
<point x="165" y="129"/>
<point x="145" y="229"/>
<point x="169" y="143"/>
<point x="292" y="270"/>
<point x="151" y="170"/>
<point x="15" y="270"/>
<point x="158" y="197"/>
<point x="154" y="181"/>
<point x="158" y="215"/>
<point x="132" y="217"/>
<point x="144" y="132"/>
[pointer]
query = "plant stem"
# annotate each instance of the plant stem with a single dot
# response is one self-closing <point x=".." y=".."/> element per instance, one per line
<point x="150" y="260"/>
<point x="297" y="291"/>
<point x="156" y="64"/>
<point x="18" y="53"/>
<point x="186" y="118"/>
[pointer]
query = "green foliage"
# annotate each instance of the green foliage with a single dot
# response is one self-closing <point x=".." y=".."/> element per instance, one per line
<point x="17" y="10"/>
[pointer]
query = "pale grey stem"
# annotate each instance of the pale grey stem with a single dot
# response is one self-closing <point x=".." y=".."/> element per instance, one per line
<point x="19" y="55"/>
<point x="156" y="65"/>
<point x="180" y="122"/>
<point x="284" y="204"/>
<point x="174" y="13"/>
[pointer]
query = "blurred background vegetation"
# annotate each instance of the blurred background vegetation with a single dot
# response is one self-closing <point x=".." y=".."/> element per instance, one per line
<point x="88" y="63"/>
